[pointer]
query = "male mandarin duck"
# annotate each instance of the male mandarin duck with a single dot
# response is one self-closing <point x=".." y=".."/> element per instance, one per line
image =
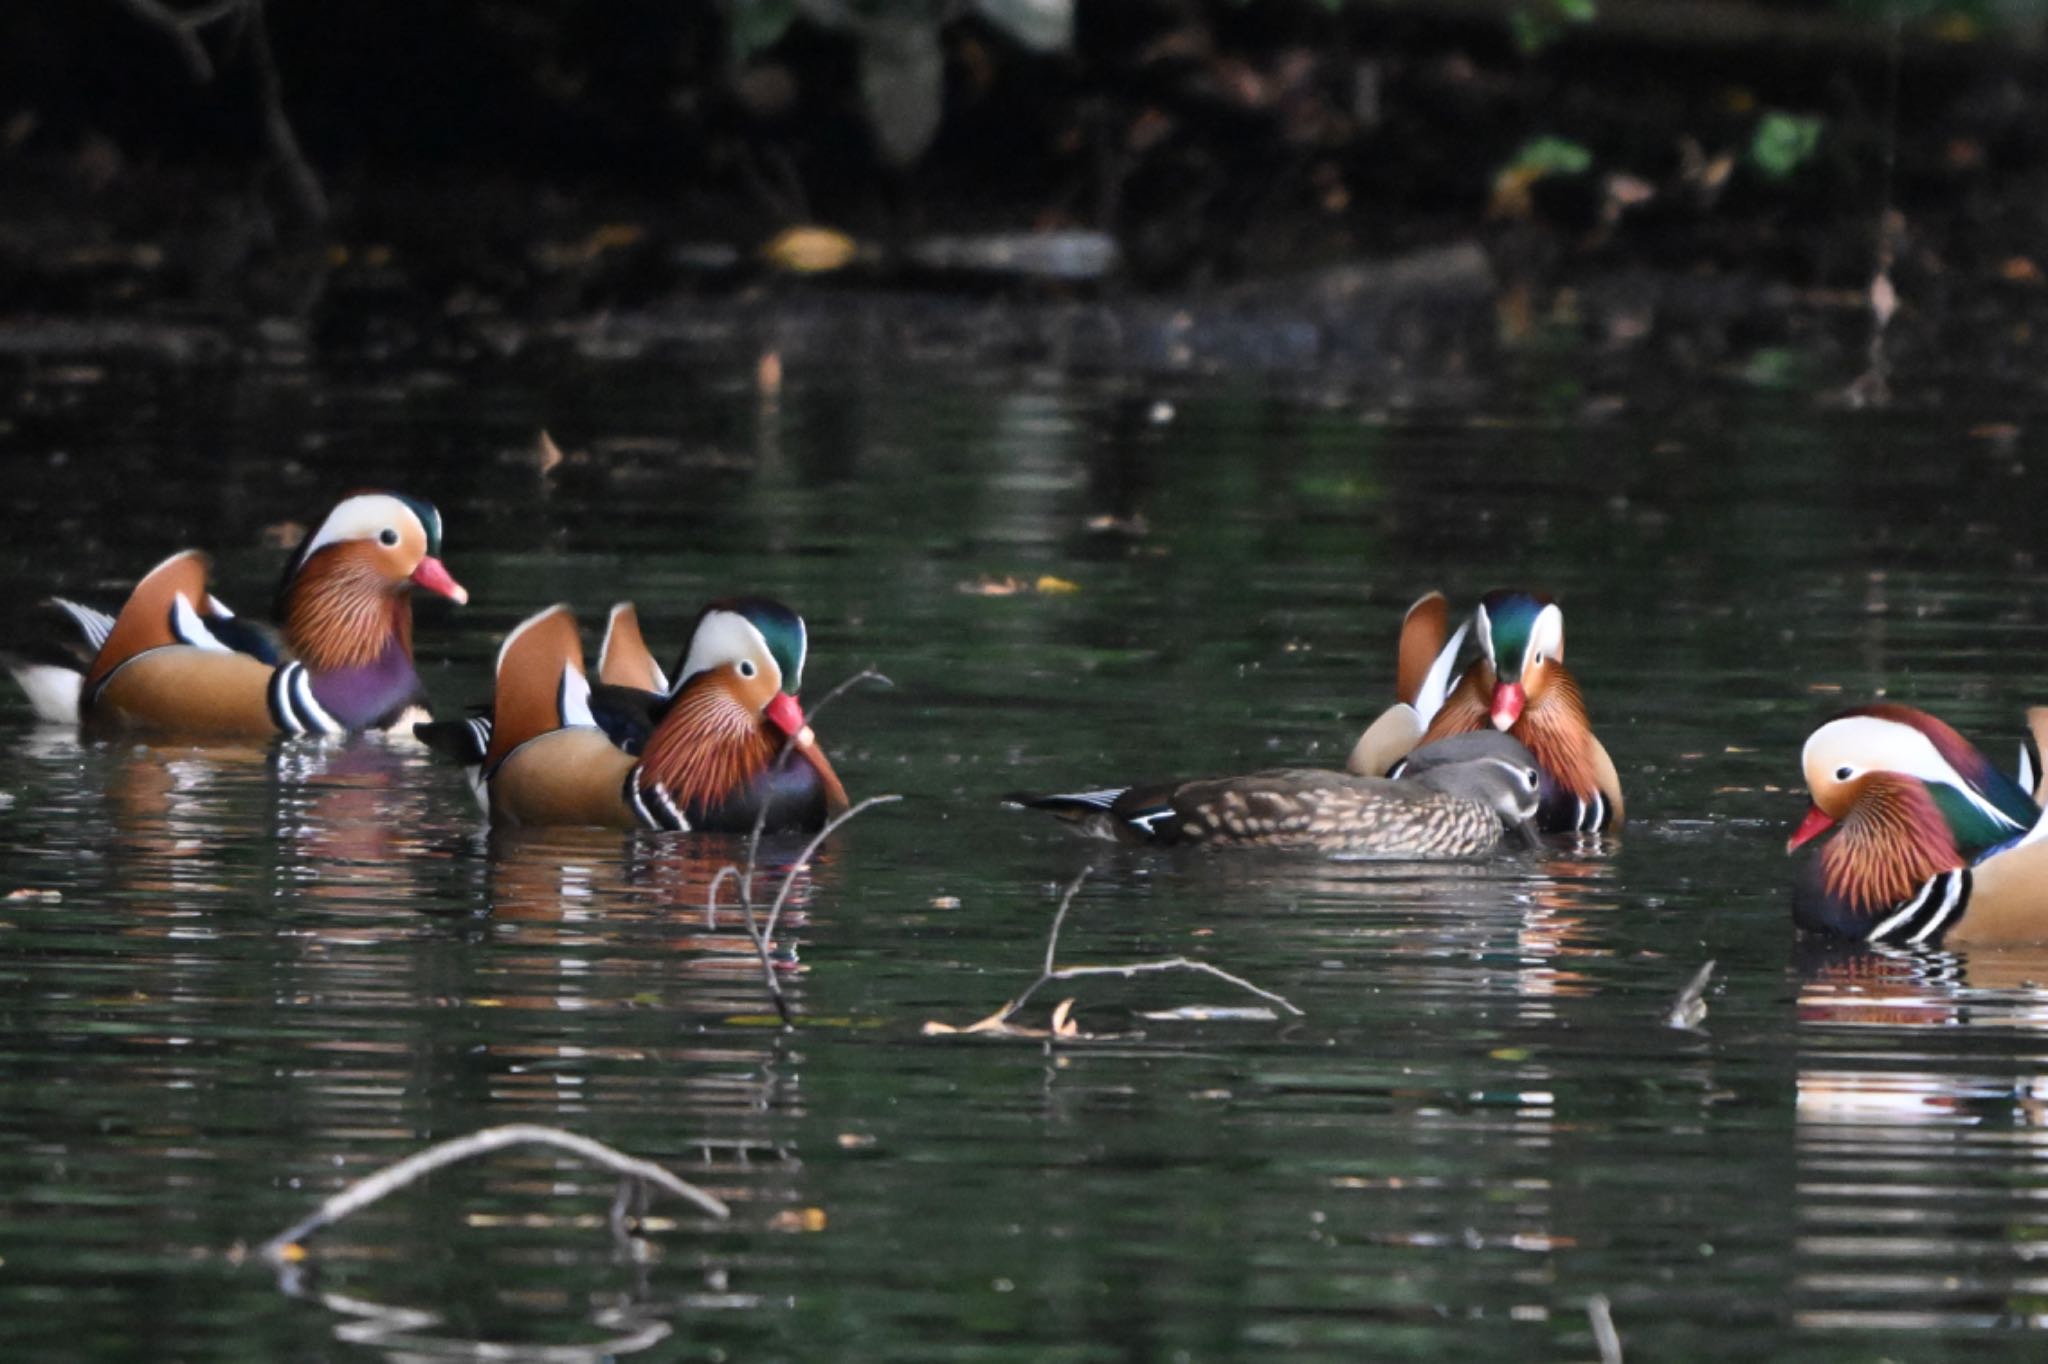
<point x="176" y="660"/>
<point x="1455" y="799"/>
<point x="1926" y="841"/>
<point x="1518" y="685"/>
<point x="704" y="753"/>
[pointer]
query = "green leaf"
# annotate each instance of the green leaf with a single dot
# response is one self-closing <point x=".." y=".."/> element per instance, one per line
<point x="1783" y="143"/>
<point x="902" y="83"/>
<point x="759" y="24"/>
<point x="1543" y="156"/>
<point x="1041" y="25"/>
<point x="1537" y="24"/>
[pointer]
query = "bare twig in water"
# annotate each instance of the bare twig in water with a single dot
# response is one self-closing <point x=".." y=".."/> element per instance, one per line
<point x="277" y="128"/>
<point x="1600" y="1313"/>
<point x="1873" y="387"/>
<point x="392" y="1178"/>
<point x="184" y="26"/>
<point x="999" y="1021"/>
<point x="867" y="674"/>
<point x="1689" y="1009"/>
<point x="763" y="932"/>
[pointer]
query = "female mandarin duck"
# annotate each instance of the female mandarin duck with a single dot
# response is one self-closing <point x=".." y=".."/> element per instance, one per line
<point x="1455" y="799"/>
<point x="706" y="753"/>
<point x="1927" y="841"/>
<point x="176" y="660"/>
<point x="1519" y="685"/>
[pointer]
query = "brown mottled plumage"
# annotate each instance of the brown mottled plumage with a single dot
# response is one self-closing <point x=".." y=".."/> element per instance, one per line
<point x="1462" y="797"/>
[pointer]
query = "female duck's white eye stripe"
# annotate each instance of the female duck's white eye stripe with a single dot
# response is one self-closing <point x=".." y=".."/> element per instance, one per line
<point x="1485" y="633"/>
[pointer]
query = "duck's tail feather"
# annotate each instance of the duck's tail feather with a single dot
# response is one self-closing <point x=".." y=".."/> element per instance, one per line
<point x="1424" y="628"/>
<point x="1436" y="683"/>
<point x="1069" y="804"/>
<point x="624" y="660"/>
<point x="541" y="683"/>
<point x="94" y="624"/>
<point x="53" y="689"/>
<point x="2032" y="778"/>
<point x="163" y="609"/>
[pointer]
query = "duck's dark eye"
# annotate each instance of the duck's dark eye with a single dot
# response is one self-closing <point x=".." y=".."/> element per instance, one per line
<point x="747" y="668"/>
<point x="1532" y="777"/>
<point x="1844" y="773"/>
<point x="387" y="536"/>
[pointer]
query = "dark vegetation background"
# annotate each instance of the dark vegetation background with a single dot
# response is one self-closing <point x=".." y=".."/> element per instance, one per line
<point x="1621" y="166"/>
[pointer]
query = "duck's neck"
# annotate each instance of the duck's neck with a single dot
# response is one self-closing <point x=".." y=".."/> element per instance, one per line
<point x="370" y="695"/>
<point x="1555" y="730"/>
<point x="707" y="748"/>
<point x="1892" y="841"/>
<point x="340" y="614"/>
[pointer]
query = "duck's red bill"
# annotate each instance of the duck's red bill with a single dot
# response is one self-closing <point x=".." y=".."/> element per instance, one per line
<point x="785" y="714"/>
<point x="433" y="575"/>
<point x="1508" y="700"/>
<point x="1816" y="823"/>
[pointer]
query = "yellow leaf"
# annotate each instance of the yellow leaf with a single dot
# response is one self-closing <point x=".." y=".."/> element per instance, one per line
<point x="809" y="250"/>
<point x="1052" y="586"/>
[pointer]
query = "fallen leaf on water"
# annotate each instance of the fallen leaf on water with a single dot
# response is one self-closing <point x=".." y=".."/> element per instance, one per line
<point x="993" y="587"/>
<point x="2020" y="270"/>
<point x="798" y="1219"/>
<point x="1051" y="586"/>
<point x="1063" y="1024"/>
<point x="855" y="1141"/>
<point x="809" y="250"/>
<point x="546" y="453"/>
<point x="282" y="535"/>
<point x="945" y="902"/>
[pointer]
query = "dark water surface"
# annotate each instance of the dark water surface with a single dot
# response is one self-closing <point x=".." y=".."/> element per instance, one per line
<point x="249" y="975"/>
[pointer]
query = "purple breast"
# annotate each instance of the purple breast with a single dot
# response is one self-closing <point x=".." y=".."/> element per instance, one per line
<point x="370" y="696"/>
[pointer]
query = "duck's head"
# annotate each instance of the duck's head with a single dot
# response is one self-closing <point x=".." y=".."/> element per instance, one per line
<point x="1868" y="760"/>
<point x="1522" y="634"/>
<point x="388" y="537"/>
<point x="755" y="648"/>
<point x="1487" y="767"/>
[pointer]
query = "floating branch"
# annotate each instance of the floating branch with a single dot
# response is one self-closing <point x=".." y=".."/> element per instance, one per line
<point x="763" y="932"/>
<point x="392" y="1178"/>
<point x="1063" y="1026"/>
<point x="1689" y="1009"/>
<point x="1601" y="1315"/>
<point x="184" y="27"/>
